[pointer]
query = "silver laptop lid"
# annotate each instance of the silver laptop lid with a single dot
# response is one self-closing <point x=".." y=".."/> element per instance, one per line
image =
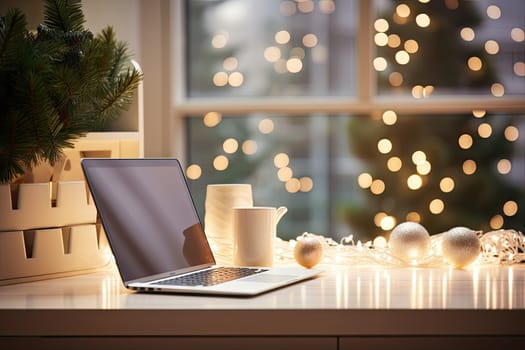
<point x="148" y="215"/>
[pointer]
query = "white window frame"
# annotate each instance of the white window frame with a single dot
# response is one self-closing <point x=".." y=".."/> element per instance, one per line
<point x="366" y="102"/>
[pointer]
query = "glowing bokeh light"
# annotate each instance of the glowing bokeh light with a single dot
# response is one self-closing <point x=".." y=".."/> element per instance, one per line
<point x="266" y="126"/>
<point x="465" y="141"/>
<point x="492" y="47"/>
<point x="414" y="182"/>
<point x="219" y="40"/>
<point x="511" y="133"/>
<point x="294" y="65"/>
<point x="305" y="6"/>
<point x="220" y="79"/>
<point x="479" y="113"/>
<point x="419" y="91"/>
<point x="282" y="37"/>
<point x="436" y="206"/>
<point x="306" y="184"/>
<point x="389" y="117"/>
<point x="411" y="46"/>
<point x="384" y="146"/>
<point x="249" y="147"/>
<point x="510" y="208"/>
<point x="193" y="172"/>
<point x="281" y="160"/>
<point x="496" y="222"/>
<point x="211" y="119"/>
<point x="272" y="54"/>
<point x="293" y="185"/>
<point x="519" y="69"/>
<point x="493" y="12"/>
<point x="504" y="166"/>
<point x="447" y="184"/>
<point x="230" y="145"/>
<point x="327" y="6"/>
<point x="220" y="163"/>
<point x="423" y="20"/>
<point x="310" y="40"/>
<point x="394" y="164"/>
<point x="474" y="63"/>
<point x="413" y="216"/>
<point x="497" y="90"/>
<point x="380" y="64"/>
<point x="467" y="34"/>
<point x="402" y="57"/>
<point x="395" y="79"/>
<point x="230" y="63"/>
<point x="364" y="180"/>
<point x="469" y="167"/>
<point x="285" y="173"/>
<point x="484" y="130"/>
<point x="388" y="223"/>
<point x="394" y="41"/>
<point x="381" y="25"/>
<point x="402" y="10"/>
<point x="418" y="157"/>
<point x="517" y="34"/>
<point x="424" y="168"/>
<point x="377" y="187"/>
<point x="378" y="217"/>
<point x="235" y="79"/>
<point x="380" y="242"/>
<point x="381" y="39"/>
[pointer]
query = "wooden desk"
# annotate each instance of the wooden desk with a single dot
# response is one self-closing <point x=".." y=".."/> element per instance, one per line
<point x="344" y="308"/>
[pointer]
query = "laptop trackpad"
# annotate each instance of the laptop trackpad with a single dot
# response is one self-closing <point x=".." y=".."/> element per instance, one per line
<point x="268" y="278"/>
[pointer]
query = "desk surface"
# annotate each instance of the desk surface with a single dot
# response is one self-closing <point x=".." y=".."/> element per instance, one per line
<point x="341" y="301"/>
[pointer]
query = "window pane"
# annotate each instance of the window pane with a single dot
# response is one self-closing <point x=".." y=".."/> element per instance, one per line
<point x="271" y="48"/>
<point x="362" y="175"/>
<point x="429" y="48"/>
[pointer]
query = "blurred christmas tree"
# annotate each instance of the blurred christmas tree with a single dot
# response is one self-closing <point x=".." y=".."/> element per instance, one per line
<point x="442" y="170"/>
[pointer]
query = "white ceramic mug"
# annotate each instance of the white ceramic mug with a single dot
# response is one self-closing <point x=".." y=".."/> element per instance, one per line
<point x="254" y="232"/>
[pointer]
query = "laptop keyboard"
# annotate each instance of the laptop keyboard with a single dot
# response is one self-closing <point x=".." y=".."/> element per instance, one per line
<point x="211" y="277"/>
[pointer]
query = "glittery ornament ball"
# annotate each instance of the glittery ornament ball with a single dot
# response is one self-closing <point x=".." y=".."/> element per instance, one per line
<point x="308" y="251"/>
<point x="460" y="246"/>
<point x="409" y="241"/>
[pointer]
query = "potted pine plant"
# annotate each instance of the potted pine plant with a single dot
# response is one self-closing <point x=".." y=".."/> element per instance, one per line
<point x="56" y="84"/>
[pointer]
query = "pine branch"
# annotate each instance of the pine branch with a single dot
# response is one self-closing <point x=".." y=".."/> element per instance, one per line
<point x="56" y="84"/>
<point x="64" y="15"/>
<point x="12" y="31"/>
<point x="118" y="98"/>
<point x="118" y="54"/>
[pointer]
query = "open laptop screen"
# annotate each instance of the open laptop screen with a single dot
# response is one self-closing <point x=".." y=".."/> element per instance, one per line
<point x="148" y="215"/>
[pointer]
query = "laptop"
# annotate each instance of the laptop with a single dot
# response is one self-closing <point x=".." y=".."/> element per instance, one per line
<point x="156" y="235"/>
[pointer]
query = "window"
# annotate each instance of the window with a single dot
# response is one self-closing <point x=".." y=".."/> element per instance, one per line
<point x="358" y="115"/>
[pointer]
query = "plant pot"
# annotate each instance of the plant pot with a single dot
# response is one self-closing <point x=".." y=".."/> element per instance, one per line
<point x="49" y="229"/>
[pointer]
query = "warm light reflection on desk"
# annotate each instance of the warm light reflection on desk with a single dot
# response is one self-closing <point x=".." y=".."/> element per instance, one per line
<point x="338" y="288"/>
<point x="109" y="292"/>
<point x="421" y="288"/>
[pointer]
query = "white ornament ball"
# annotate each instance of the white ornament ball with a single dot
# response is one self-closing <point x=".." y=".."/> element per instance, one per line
<point x="308" y="251"/>
<point x="460" y="246"/>
<point x="409" y="241"/>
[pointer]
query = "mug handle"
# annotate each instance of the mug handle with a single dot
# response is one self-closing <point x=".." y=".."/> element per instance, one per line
<point x="280" y="213"/>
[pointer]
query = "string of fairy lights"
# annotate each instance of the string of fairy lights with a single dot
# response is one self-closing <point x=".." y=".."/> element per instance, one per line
<point x="287" y="58"/>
